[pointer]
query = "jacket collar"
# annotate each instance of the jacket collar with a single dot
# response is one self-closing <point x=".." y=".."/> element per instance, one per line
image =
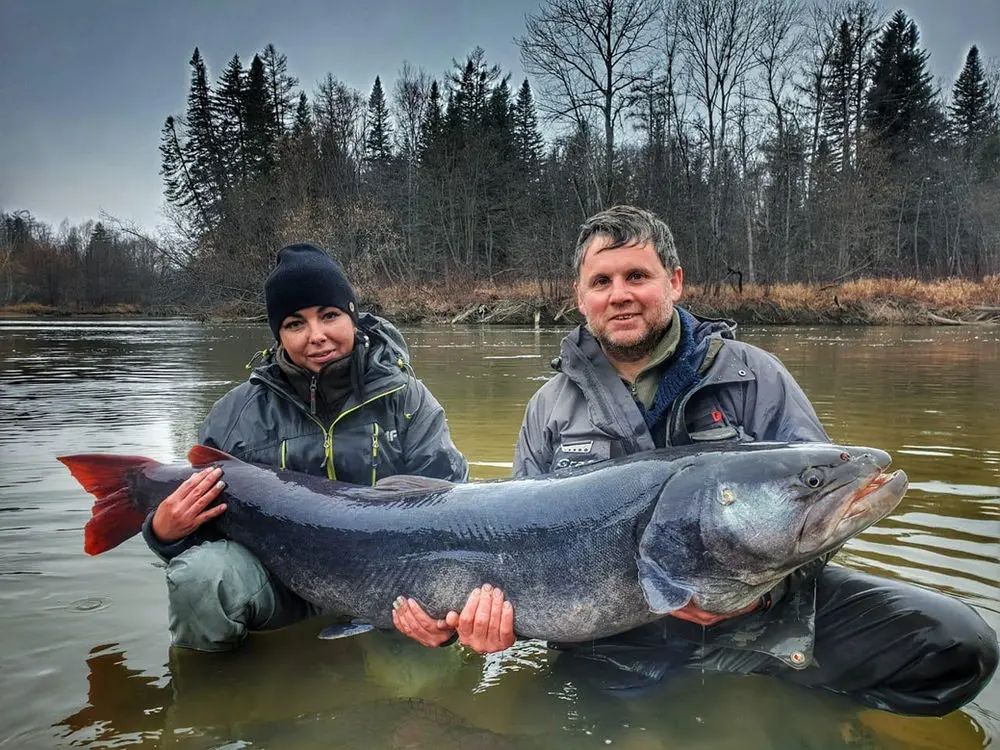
<point x="380" y="362"/>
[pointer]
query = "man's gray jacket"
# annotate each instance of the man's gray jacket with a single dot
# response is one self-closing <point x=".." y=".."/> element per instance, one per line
<point x="587" y="413"/>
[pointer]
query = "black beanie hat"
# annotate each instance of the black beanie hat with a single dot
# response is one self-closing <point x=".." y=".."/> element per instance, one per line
<point x="305" y="276"/>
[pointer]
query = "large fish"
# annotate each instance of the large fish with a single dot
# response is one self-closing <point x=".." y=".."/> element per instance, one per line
<point x="582" y="553"/>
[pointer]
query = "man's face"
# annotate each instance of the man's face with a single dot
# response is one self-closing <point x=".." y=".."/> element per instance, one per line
<point x="627" y="297"/>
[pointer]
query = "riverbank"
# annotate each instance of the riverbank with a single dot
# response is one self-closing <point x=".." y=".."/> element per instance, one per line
<point x="858" y="302"/>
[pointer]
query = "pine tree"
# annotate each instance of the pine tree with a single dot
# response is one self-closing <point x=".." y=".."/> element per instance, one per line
<point x="378" y="148"/>
<point x="192" y="162"/>
<point x="261" y="131"/>
<point x="98" y="267"/>
<point x="178" y="185"/>
<point x="229" y="106"/>
<point x="838" y="89"/>
<point x="281" y="88"/>
<point x="843" y="81"/>
<point x="901" y="112"/>
<point x="528" y="142"/>
<point x="432" y="125"/>
<point x="973" y="112"/>
<point x="302" y="125"/>
<point x="204" y="149"/>
<point x="471" y="86"/>
<point x="499" y="122"/>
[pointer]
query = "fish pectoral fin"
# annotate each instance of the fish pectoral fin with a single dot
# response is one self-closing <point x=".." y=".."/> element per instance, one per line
<point x="663" y="595"/>
<point x="202" y="455"/>
<point x="333" y="632"/>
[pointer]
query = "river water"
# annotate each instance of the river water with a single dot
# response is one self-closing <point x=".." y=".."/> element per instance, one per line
<point x="85" y="662"/>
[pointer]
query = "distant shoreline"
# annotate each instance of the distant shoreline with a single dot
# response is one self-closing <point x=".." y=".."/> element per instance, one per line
<point x="864" y="302"/>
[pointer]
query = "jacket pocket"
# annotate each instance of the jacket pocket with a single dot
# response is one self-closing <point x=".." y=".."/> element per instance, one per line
<point x="722" y="432"/>
<point x="707" y="422"/>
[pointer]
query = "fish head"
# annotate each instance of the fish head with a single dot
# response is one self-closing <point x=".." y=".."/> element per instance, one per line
<point x="737" y="522"/>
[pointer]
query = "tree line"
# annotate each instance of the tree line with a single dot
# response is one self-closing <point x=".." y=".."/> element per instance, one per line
<point x="781" y="142"/>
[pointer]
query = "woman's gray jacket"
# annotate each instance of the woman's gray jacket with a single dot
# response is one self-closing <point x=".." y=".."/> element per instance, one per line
<point x="391" y="423"/>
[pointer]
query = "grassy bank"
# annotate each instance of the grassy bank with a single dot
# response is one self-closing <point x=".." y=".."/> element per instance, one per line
<point x="858" y="302"/>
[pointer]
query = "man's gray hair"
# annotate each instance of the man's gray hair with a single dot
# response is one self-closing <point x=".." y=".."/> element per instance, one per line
<point x="626" y="226"/>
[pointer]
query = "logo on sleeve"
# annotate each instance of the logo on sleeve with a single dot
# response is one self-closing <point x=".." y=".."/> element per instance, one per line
<point x="585" y="446"/>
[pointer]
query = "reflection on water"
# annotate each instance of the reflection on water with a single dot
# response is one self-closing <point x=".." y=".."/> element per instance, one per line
<point x="84" y="642"/>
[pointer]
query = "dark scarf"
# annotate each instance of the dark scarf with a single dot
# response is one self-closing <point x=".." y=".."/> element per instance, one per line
<point x="680" y="373"/>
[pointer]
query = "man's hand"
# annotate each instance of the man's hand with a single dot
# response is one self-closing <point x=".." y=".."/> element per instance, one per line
<point x="184" y="510"/>
<point x="485" y="624"/>
<point x="691" y="613"/>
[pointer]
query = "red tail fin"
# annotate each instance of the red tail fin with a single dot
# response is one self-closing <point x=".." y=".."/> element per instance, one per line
<point x="115" y="517"/>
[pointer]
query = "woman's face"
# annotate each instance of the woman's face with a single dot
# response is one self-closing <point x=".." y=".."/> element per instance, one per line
<point x="314" y="336"/>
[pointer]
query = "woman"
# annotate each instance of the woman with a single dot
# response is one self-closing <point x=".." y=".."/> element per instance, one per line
<point x="336" y="398"/>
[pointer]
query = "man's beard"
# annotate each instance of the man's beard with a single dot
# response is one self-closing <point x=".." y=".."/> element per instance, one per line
<point x="634" y="351"/>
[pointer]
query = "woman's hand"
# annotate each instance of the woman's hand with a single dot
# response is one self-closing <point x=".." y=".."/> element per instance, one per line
<point x="410" y="619"/>
<point x="186" y="508"/>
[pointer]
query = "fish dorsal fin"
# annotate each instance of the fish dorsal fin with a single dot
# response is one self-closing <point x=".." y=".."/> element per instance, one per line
<point x="413" y="483"/>
<point x="202" y="455"/>
<point x="663" y="594"/>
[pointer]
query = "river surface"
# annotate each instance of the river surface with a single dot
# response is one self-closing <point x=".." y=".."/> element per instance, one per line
<point x="84" y="657"/>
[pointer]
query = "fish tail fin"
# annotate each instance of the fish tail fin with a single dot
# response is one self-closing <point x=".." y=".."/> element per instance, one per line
<point x="116" y="516"/>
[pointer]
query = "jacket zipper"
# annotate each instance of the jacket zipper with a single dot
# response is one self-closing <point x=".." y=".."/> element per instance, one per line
<point x="331" y="473"/>
<point x="328" y="434"/>
<point x="374" y="452"/>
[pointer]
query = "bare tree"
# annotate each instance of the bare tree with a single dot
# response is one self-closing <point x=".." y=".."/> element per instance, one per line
<point x="409" y="100"/>
<point x="339" y="112"/>
<point x="409" y="97"/>
<point x="783" y="42"/>
<point x="718" y="41"/>
<point x="588" y="56"/>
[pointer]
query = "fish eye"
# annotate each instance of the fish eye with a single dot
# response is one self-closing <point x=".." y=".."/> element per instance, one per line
<point x="812" y="478"/>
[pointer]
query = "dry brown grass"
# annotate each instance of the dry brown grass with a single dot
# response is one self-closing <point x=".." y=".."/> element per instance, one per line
<point x="861" y="301"/>
<point x="28" y="308"/>
<point x="945" y="293"/>
<point x="37" y="309"/>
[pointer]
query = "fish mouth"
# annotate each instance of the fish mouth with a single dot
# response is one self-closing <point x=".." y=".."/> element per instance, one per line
<point x="874" y="500"/>
<point x="852" y="509"/>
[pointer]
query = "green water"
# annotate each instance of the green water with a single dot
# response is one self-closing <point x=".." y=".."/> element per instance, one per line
<point x="83" y="647"/>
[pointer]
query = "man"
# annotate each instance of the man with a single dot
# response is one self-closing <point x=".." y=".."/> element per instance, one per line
<point x="644" y="373"/>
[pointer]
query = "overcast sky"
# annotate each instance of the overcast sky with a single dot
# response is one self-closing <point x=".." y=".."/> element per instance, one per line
<point x="85" y="85"/>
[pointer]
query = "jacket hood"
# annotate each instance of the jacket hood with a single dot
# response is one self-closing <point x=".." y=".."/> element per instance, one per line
<point x="381" y="329"/>
<point x="707" y="327"/>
